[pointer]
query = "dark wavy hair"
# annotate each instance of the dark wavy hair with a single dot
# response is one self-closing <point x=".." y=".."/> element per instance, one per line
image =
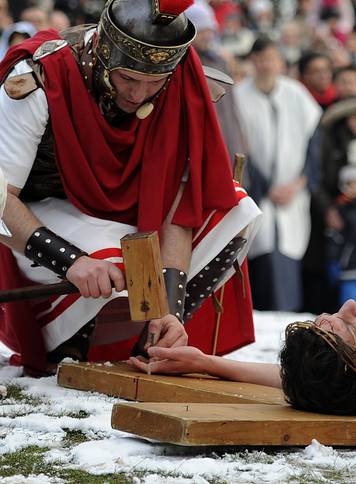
<point x="314" y="376"/>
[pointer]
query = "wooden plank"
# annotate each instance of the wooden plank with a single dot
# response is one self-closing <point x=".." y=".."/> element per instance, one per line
<point x="144" y="276"/>
<point x="232" y="424"/>
<point x="99" y="377"/>
<point x="121" y="380"/>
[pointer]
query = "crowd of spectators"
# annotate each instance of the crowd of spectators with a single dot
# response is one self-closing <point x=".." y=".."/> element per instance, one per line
<point x="298" y="132"/>
<point x="294" y="67"/>
<point x="57" y="14"/>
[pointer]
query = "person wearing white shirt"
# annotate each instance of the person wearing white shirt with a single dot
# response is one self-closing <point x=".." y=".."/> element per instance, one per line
<point x="278" y="117"/>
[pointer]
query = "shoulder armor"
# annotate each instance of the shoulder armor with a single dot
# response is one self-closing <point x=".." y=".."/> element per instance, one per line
<point x="20" y="86"/>
<point x="212" y="76"/>
<point x="48" y="48"/>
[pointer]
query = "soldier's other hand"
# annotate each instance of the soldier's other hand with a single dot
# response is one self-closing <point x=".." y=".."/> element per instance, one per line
<point x="166" y="332"/>
<point x="95" y="277"/>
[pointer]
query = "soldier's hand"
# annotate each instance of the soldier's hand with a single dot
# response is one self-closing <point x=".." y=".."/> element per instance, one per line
<point x="166" y="332"/>
<point x="95" y="277"/>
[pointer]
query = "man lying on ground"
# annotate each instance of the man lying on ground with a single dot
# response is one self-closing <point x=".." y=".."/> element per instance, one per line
<point x="317" y="370"/>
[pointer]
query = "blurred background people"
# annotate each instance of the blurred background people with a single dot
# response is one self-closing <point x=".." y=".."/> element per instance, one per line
<point x="345" y="81"/>
<point x="15" y="34"/>
<point x="336" y="149"/>
<point x="37" y="16"/>
<point x="236" y="38"/>
<point x="291" y="46"/>
<point x="206" y="45"/>
<point x="341" y="243"/>
<point x="59" y="21"/>
<point x="5" y="17"/>
<point x="315" y="71"/>
<point x="277" y="144"/>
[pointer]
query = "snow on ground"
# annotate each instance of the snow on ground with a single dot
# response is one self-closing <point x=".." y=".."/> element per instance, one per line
<point x="106" y="451"/>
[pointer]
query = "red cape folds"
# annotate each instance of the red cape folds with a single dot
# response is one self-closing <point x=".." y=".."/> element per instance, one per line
<point x="128" y="174"/>
<point x="131" y="174"/>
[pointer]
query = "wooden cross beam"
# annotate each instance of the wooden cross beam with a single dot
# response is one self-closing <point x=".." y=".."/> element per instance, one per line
<point x="197" y="424"/>
<point x="121" y="380"/>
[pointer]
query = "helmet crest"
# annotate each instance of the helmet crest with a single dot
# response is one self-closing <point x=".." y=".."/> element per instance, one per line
<point x="164" y="11"/>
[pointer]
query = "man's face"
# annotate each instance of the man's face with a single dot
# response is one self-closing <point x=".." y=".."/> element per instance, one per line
<point x="345" y="84"/>
<point x="318" y="74"/>
<point x="268" y="63"/>
<point x="134" y="89"/>
<point x="342" y="323"/>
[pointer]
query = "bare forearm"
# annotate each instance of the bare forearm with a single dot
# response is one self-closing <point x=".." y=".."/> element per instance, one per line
<point x="176" y="241"/>
<point x="258" y="373"/>
<point x="20" y="221"/>
<point x="176" y="247"/>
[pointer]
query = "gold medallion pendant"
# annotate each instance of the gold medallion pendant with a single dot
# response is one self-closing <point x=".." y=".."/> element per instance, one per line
<point x="144" y="111"/>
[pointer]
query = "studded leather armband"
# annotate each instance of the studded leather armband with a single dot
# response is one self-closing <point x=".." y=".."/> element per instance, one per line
<point x="49" y="250"/>
<point x="176" y="282"/>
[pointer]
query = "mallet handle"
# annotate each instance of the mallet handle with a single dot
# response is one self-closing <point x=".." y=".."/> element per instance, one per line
<point x="37" y="291"/>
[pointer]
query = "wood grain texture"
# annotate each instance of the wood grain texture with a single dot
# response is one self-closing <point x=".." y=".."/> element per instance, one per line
<point x="144" y="276"/>
<point x="123" y="381"/>
<point x="196" y="424"/>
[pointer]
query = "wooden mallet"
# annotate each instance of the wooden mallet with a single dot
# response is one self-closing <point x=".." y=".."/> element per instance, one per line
<point x="144" y="279"/>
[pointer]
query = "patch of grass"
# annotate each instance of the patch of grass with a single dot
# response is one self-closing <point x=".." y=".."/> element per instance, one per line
<point x="308" y="477"/>
<point x="347" y="474"/>
<point x="74" y="437"/>
<point x="25" y="461"/>
<point x="29" y="461"/>
<point x="15" y="393"/>
<point x="216" y="480"/>
<point x="247" y="457"/>
<point x="322" y="474"/>
<point x="73" y="476"/>
<point x="80" y="414"/>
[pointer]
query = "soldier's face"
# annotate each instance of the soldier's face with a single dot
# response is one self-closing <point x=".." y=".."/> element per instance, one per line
<point x="134" y="89"/>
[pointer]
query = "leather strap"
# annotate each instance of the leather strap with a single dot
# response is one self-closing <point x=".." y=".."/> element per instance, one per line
<point x="47" y="249"/>
<point x="176" y="282"/>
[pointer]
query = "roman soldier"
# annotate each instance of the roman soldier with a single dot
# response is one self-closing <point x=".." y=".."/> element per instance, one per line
<point x="110" y="129"/>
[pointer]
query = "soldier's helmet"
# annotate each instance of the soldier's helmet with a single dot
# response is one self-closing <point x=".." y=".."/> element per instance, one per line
<point x="146" y="36"/>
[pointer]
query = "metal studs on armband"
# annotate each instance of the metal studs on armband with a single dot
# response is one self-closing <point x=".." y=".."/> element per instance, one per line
<point x="203" y="284"/>
<point x="176" y="282"/>
<point x="47" y="249"/>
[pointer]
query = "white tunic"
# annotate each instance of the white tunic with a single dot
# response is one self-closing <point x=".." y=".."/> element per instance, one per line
<point x="21" y="133"/>
<point x="278" y="127"/>
<point x="26" y="122"/>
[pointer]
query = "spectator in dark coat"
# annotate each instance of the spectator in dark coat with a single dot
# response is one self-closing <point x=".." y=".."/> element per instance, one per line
<point x="336" y="137"/>
<point x="342" y="243"/>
